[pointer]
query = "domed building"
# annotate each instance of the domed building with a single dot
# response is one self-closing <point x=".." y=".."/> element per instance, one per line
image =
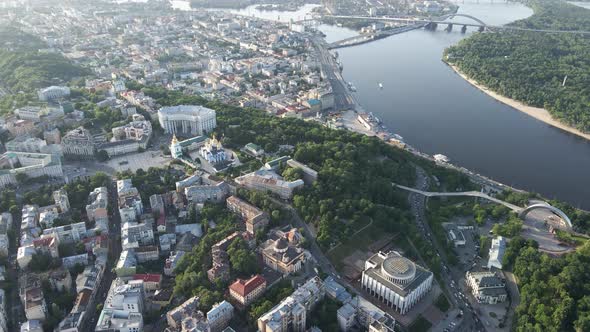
<point x="396" y="280"/>
<point x="283" y="255"/>
<point x="213" y="151"/>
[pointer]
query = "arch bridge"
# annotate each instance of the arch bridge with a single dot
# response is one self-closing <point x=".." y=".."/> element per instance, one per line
<point x="522" y="212"/>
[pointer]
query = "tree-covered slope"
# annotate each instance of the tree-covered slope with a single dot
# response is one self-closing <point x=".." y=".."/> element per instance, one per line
<point x="23" y="67"/>
<point x="531" y="66"/>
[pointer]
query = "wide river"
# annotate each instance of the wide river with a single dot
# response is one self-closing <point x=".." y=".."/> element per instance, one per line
<point x="436" y="111"/>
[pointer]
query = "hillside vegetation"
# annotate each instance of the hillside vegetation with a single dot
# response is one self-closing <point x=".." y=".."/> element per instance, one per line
<point x="531" y="66"/>
<point x="24" y="68"/>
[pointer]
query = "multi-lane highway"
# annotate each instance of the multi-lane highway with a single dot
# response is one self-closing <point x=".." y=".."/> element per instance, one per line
<point x="469" y="321"/>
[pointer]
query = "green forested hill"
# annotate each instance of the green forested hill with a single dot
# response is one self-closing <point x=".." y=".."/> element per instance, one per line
<point x="531" y="67"/>
<point x="24" y="68"/>
<point x="30" y="70"/>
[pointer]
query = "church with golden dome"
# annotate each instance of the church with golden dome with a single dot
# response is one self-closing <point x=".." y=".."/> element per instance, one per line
<point x="213" y="151"/>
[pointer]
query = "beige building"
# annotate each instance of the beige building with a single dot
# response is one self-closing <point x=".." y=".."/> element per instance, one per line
<point x="78" y="143"/>
<point x="265" y="180"/>
<point x="283" y="254"/>
<point x="395" y="280"/>
<point x="254" y="218"/>
<point x="291" y="313"/>
<point x="247" y="291"/>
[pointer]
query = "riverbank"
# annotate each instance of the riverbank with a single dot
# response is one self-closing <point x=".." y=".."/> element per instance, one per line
<point x="535" y="112"/>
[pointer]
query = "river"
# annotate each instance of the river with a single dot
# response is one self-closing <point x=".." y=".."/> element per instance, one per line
<point x="436" y="111"/>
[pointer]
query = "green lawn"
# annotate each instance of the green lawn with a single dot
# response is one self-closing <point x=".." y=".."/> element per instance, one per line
<point x="360" y="241"/>
<point x="420" y="325"/>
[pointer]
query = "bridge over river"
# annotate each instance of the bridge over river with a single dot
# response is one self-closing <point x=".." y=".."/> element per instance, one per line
<point x="412" y="23"/>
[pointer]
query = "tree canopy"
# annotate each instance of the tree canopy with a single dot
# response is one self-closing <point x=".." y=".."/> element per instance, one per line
<point x="531" y="67"/>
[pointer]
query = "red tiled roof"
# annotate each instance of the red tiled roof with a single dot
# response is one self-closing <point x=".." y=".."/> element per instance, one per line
<point x="43" y="242"/>
<point x="245" y="287"/>
<point x="150" y="277"/>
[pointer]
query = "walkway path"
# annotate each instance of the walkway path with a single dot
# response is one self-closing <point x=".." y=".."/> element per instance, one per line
<point x="513" y="207"/>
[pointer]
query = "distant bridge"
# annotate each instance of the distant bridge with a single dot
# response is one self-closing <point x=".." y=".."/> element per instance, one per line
<point x="365" y="38"/>
<point x="475" y="22"/>
<point x="522" y="212"/>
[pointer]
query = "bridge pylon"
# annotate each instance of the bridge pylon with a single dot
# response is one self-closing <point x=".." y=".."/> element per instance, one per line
<point x="464" y="29"/>
<point x="449" y="27"/>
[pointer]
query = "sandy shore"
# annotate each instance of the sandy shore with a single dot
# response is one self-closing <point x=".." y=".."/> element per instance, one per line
<point x="536" y="112"/>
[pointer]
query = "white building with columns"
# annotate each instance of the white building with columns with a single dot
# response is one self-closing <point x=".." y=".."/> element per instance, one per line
<point x="189" y="120"/>
<point x="395" y="280"/>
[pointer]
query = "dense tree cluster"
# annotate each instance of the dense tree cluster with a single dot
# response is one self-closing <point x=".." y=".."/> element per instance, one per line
<point x="24" y="68"/>
<point x="510" y="228"/>
<point x="531" y="67"/>
<point x="78" y="190"/>
<point x="191" y="273"/>
<point x="554" y="293"/>
<point x="153" y="181"/>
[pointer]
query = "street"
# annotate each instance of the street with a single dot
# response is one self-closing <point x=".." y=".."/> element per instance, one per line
<point x="469" y="320"/>
<point x="114" y="253"/>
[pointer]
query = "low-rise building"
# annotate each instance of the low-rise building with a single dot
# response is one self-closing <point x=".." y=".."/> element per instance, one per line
<point x="497" y="250"/>
<point x="206" y="193"/>
<point x="254" y="218"/>
<point x="219" y="316"/>
<point x="291" y="313"/>
<point x="189" y="308"/>
<point x="151" y="281"/>
<point x="254" y="149"/>
<point x="455" y="235"/>
<point x="486" y="287"/>
<point x="35" y="306"/>
<point x="126" y="265"/>
<point x="247" y="291"/>
<point x="172" y="262"/>
<point x="400" y="282"/>
<point x="265" y="180"/>
<point x="147" y="254"/>
<point x="78" y="143"/>
<point x="309" y="175"/>
<point x="53" y="92"/>
<point x="32" y="165"/>
<point x="68" y="233"/>
<point x="119" y="320"/>
<point x="282" y="252"/>
<point x="97" y="208"/>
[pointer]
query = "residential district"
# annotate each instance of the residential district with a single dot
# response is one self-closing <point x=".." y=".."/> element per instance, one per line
<point x="112" y="259"/>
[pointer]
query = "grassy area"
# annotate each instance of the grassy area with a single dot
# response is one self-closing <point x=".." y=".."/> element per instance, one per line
<point x="360" y="241"/>
<point x="442" y="303"/>
<point x="420" y="325"/>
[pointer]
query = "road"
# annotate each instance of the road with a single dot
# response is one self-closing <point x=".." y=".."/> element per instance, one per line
<point x="343" y="98"/>
<point x="114" y="253"/>
<point x="450" y="279"/>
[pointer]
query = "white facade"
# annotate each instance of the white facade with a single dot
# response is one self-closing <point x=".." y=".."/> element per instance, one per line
<point x="395" y="280"/>
<point x="219" y="316"/>
<point x="291" y="313"/>
<point x="33" y="165"/>
<point x="68" y="233"/>
<point x="53" y="92"/>
<point x="187" y="119"/>
<point x="497" y="252"/>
